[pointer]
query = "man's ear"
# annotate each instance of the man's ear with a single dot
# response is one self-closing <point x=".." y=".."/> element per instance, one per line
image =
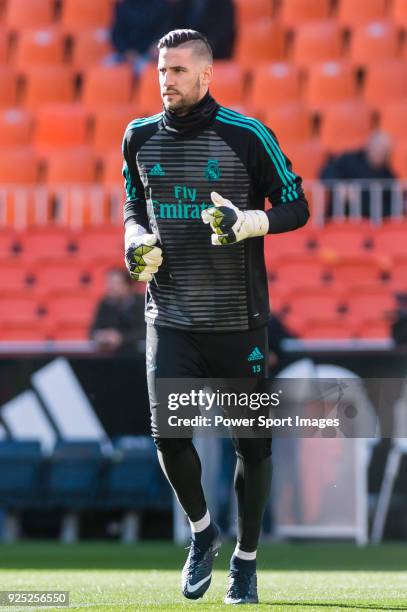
<point x="207" y="75"/>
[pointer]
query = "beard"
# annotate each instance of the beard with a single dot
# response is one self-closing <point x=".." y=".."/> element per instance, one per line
<point x="182" y="103"/>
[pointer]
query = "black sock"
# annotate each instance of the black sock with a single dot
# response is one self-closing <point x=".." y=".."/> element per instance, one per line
<point x="242" y="565"/>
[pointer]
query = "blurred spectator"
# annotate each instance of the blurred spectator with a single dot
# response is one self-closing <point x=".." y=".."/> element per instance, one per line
<point x="119" y="319"/>
<point x="370" y="162"/>
<point x="138" y="25"/>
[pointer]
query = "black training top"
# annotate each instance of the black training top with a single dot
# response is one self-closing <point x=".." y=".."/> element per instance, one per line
<point x="172" y="164"/>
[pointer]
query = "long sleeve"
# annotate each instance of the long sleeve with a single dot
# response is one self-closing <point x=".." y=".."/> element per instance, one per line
<point x="134" y="211"/>
<point x="277" y="181"/>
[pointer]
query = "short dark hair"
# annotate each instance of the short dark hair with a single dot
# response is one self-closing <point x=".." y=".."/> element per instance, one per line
<point x="175" y="38"/>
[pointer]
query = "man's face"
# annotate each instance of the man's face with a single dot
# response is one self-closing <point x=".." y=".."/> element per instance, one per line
<point x="116" y="286"/>
<point x="184" y="78"/>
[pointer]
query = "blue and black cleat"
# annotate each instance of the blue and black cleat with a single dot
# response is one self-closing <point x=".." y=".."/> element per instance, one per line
<point x="242" y="587"/>
<point x="197" y="571"/>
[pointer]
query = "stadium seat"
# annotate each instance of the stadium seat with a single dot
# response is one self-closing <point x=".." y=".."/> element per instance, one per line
<point x="147" y="95"/>
<point x="356" y="12"/>
<point x="330" y="83"/>
<point x="14" y="276"/>
<point x="373" y="328"/>
<point x="9" y="87"/>
<point x="273" y="85"/>
<point x="4" y="46"/>
<point x="399" y="273"/>
<point x="61" y="277"/>
<point x="20" y="473"/>
<point x="249" y="11"/>
<point x="399" y="12"/>
<point x="390" y="238"/>
<point x="258" y="42"/>
<point x="290" y="122"/>
<point x="386" y="82"/>
<point x="364" y="301"/>
<point x="19" y="307"/>
<point x="77" y="14"/>
<point x="307" y="301"/>
<point x="26" y="331"/>
<point x="38" y="91"/>
<point x="307" y="157"/>
<point x="290" y="269"/>
<point x="100" y="243"/>
<point x="90" y="47"/>
<point x="15" y="128"/>
<point x="107" y="85"/>
<point x="326" y="329"/>
<point x="228" y="83"/>
<point x="19" y="166"/>
<point x="399" y="159"/>
<point x="70" y="330"/>
<point x="392" y="120"/>
<point x="317" y="42"/>
<point x="346" y="126"/>
<point x="61" y="125"/>
<point x="77" y="165"/>
<point x="71" y="309"/>
<point x="342" y="238"/>
<point x="350" y="270"/>
<point x="48" y="242"/>
<point x="110" y="125"/>
<point x="21" y="14"/>
<point x="40" y="47"/>
<point x="294" y="13"/>
<point x="112" y="168"/>
<point x="374" y="42"/>
<point x="9" y="244"/>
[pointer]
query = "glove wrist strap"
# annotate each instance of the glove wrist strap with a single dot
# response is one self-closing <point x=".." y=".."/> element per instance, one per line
<point x="259" y="223"/>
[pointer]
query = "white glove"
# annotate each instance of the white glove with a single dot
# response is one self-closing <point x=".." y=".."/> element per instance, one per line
<point x="142" y="257"/>
<point x="230" y="224"/>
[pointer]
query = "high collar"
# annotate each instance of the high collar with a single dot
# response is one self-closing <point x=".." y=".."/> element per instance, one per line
<point x="198" y="117"/>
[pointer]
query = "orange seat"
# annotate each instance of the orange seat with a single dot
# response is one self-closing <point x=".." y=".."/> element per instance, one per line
<point x="288" y="270"/>
<point x="262" y="41"/>
<point x="4" y="46"/>
<point x="40" y="47"/>
<point x="110" y="125"/>
<point x="356" y="12"/>
<point x="61" y="126"/>
<point x="90" y="47"/>
<point x="307" y="157"/>
<point x="38" y="89"/>
<point x="330" y="83"/>
<point x="61" y="277"/>
<point x="48" y="242"/>
<point x="399" y="159"/>
<point x="71" y="308"/>
<point x="345" y="126"/>
<point x="102" y="242"/>
<point x="386" y="82"/>
<point x="342" y="238"/>
<point x="277" y="246"/>
<point x="374" y="42"/>
<point x="373" y="328"/>
<point x="33" y="14"/>
<point x="294" y="13"/>
<point x="390" y="238"/>
<point x="8" y="87"/>
<point x="107" y="85"/>
<point x="228" y="83"/>
<point x="399" y="12"/>
<point x="71" y="330"/>
<point x="351" y="270"/>
<point x="15" y="128"/>
<point x="249" y="11"/>
<point x="306" y="301"/>
<point x="399" y="273"/>
<point x="18" y="166"/>
<point x="14" y="276"/>
<point x="290" y="122"/>
<point x="78" y="14"/>
<point x="147" y="96"/>
<point x="77" y="165"/>
<point x="317" y="42"/>
<point x="112" y="168"/>
<point x="326" y="329"/>
<point x="273" y="85"/>
<point x="19" y="307"/>
<point x="25" y="331"/>
<point x="362" y="301"/>
<point x="393" y="120"/>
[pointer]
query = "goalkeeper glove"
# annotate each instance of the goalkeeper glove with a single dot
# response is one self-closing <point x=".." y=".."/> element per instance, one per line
<point x="230" y="224"/>
<point x="142" y="257"/>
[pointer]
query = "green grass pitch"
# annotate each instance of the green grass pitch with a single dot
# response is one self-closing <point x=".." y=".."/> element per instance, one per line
<point x="146" y="576"/>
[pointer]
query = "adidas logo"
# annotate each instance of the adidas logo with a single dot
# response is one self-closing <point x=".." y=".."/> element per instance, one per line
<point x="156" y="171"/>
<point x="255" y="355"/>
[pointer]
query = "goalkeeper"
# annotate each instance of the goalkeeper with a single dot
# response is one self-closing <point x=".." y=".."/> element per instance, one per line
<point x="196" y="178"/>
